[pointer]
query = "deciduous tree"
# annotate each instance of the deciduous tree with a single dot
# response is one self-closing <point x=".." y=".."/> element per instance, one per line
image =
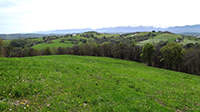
<point x="48" y="51"/>
<point x="172" y="54"/>
<point x="147" y="52"/>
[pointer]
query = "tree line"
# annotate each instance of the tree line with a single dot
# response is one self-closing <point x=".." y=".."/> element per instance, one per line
<point x="170" y="56"/>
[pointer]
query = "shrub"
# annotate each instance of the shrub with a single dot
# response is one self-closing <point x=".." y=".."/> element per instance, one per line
<point x="48" y="51"/>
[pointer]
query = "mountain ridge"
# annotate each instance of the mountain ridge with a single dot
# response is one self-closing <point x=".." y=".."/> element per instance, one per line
<point x="127" y="29"/>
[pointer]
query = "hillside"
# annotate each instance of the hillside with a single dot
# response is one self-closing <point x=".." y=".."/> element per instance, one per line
<point x="85" y="83"/>
<point x="140" y="38"/>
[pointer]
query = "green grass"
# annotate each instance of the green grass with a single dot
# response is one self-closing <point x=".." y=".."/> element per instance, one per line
<point x="187" y="41"/>
<point x="150" y="41"/>
<point x="146" y="33"/>
<point x="169" y="37"/>
<point x="78" y="83"/>
<point x="159" y="37"/>
<point x="143" y="33"/>
<point x="55" y="44"/>
<point x="78" y="37"/>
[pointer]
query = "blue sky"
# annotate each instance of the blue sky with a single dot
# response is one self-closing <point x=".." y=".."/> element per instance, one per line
<point x="26" y="16"/>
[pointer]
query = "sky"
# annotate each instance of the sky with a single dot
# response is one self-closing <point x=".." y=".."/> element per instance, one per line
<point x="27" y="16"/>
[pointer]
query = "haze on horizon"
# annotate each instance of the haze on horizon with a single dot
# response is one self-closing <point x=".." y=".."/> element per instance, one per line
<point x="26" y="16"/>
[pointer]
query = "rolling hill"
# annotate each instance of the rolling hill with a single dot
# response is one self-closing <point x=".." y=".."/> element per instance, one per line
<point x="140" y="37"/>
<point x="85" y="83"/>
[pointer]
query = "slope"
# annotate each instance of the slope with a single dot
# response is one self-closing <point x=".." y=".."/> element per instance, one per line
<point x="78" y="83"/>
<point x="161" y="37"/>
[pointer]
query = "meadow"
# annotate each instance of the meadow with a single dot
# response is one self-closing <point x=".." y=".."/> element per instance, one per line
<point x="86" y="83"/>
<point x="154" y="41"/>
<point x="56" y="43"/>
<point x="168" y="36"/>
<point x="165" y="37"/>
<point x="187" y="41"/>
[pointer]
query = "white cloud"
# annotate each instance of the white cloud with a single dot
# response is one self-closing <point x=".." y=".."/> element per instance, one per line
<point x="37" y="15"/>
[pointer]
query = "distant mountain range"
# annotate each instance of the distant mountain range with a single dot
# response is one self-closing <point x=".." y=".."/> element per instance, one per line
<point x="127" y="29"/>
<point x="193" y="30"/>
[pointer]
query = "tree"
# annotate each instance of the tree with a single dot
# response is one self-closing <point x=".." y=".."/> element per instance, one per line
<point x="48" y="51"/>
<point x="191" y="61"/>
<point x="157" y="57"/>
<point x="133" y="43"/>
<point x="95" y="49"/>
<point x="9" y="50"/>
<point x="19" y="43"/>
<point x="1" y="48"/>
<point x="147" y="52"/>
<point x="172" y="54"/>
<point x="82" y="49"/>
<point x="61" y="50"/>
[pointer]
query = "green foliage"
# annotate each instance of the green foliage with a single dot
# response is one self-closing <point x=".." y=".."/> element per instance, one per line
<point x="48" y="51"/>
<point x="1" y="48"/>
<point x="95" y="49"/>
<point x="133" y="43"/>
<point x="82" y="49"/>
<point x="20" y="43"/>
<point x="172" y="54"/>
<point x="6" y="42"/>
<point x="85" y="83"/>
<point x="147" y="52"/>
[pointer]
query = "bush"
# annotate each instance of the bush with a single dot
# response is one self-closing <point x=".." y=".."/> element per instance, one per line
<point x="48" y="51"/>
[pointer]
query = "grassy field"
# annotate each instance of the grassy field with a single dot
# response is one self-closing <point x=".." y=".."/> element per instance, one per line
<point x="187" y="41"/>
<point x="169" y="37"/>
<point x="55" y="44"/>
<point x="159" y="37"/>
<point x="150" y="41"/>
<point x="146" y="33"/>
<point x="78" y="83"/>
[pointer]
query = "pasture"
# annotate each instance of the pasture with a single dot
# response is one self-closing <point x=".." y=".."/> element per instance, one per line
<point x="86" y="83"/>
<point x="56" y="43"/>
<point x="150" y="41"/>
